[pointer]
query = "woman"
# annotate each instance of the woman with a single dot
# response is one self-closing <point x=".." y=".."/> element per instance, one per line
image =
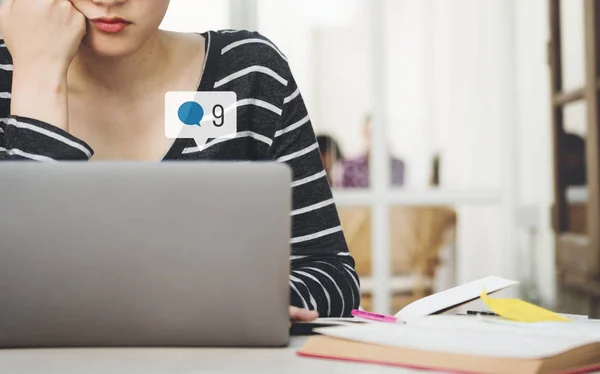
<point x="86" y="79"/>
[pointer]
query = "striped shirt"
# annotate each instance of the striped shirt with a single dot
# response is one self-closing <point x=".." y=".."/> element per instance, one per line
<point x="273" y="125"/>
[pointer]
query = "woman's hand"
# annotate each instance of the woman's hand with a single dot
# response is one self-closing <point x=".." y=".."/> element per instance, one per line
<point x="42" y="33"/>
<point x="302" y="315"/>
<point x="43" y="37"/>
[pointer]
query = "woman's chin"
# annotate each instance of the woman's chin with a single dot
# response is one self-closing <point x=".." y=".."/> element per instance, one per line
<point x="110" y="47"/>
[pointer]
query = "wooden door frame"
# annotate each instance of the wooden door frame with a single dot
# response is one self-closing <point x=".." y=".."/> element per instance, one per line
<point x="592" y="38"/>
<point x="577" y="256"/>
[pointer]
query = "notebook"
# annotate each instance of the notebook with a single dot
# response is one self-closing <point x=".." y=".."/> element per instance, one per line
<point x="465" y="344"/>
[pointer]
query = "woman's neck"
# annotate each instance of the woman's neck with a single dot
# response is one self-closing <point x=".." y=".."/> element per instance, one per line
<point x="128" y="76"/>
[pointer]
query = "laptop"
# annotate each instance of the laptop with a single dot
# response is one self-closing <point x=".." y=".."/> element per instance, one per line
<point x="185" y="254"/>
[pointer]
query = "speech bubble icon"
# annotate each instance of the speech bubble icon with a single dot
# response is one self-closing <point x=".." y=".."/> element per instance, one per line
<point x="191" y="113"/>
<point x="218" y="120"/>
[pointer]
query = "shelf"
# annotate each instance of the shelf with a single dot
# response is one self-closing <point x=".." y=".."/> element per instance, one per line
<point x="432" y="197"/>
<point x="563" y="98"/>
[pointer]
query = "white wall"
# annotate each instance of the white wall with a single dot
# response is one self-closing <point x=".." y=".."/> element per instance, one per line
<point x="326" y="44"/>
<point x="470" y="103"/>
<point x="197" y="15"/>
<point x="342" y="81"/>
<point x="411" y="92"/>
<point x="535" y="135"/>
<point x="448" y="64"/>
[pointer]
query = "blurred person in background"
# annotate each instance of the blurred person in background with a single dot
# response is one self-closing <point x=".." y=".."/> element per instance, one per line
<point x="85" y="80"/>
<point x="356" y="171"/>
<point x="331" y="155"/>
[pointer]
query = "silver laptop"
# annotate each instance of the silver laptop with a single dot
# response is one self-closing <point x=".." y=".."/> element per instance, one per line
<point x="144" y="254"/>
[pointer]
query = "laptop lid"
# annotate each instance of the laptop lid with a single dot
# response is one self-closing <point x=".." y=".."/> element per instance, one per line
<point x="144" y="254"/>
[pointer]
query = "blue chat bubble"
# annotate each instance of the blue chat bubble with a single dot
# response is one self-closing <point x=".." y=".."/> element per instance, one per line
<point x="191" y="113"/>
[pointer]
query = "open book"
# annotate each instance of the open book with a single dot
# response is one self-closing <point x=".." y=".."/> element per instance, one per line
<point x="438" y="303"/>
<point x="429" y="339"/>
<point x="465" y="344"/>
<point x="452" y="298"/>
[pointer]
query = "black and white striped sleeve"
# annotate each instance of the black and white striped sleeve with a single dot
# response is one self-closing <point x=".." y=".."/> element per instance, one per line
<point x="24" y="138"/>
<point x="29" y="139"/>
<point x="323" y="276"/>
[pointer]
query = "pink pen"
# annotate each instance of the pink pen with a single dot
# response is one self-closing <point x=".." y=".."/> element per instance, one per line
<point x="374" y="316"/>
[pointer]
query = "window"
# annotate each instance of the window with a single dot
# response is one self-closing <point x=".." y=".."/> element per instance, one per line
<point x="431" y="77"/>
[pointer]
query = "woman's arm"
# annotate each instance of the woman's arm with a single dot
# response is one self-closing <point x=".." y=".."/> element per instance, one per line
<point x="29" y="139"/>
<point x="323" y="277"/>
<point x="43" y="36"/>
<point x="26" y="138"/>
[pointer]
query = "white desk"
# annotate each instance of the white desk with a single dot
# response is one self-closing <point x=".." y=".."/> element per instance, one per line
<point x="178" y="361"/>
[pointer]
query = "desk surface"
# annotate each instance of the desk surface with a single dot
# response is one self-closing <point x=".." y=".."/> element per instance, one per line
<point x="177" y="361"/>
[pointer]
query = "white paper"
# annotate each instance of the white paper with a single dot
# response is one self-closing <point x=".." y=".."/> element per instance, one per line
<point x="472" y="336"/>
<point x="588" y="330"/>
<point x="452" y="297"/>
<point x="575" y="316"/>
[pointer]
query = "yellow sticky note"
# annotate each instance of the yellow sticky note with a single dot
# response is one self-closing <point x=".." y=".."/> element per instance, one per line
<point x="521" y="311"/>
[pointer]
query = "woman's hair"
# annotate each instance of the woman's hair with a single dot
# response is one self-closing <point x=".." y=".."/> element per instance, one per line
<point x="327" y="144"/>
